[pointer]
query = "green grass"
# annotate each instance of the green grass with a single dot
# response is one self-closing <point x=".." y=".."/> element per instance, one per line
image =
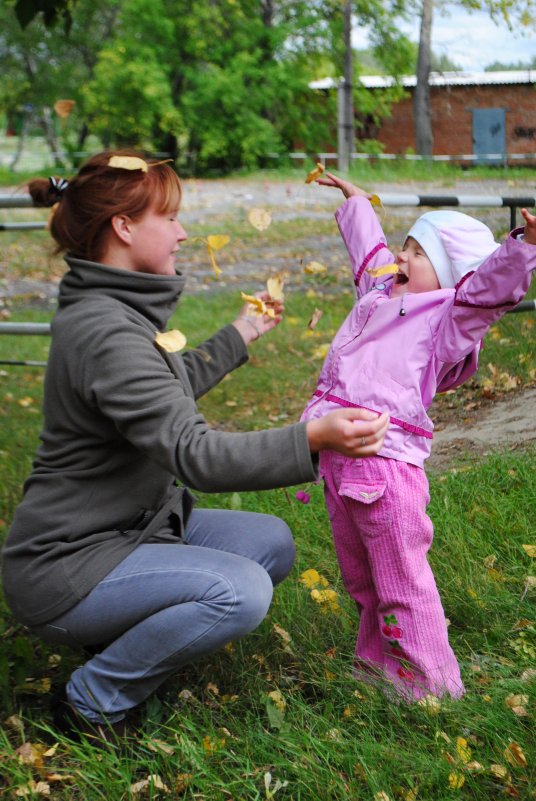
<point x="215" y="732"/>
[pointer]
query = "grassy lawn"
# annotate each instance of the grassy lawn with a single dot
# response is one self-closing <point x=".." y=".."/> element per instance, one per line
<point x="278" y="714"/>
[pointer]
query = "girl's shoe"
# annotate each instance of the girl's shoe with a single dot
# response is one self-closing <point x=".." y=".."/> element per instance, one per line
<point x="74" y="725"/>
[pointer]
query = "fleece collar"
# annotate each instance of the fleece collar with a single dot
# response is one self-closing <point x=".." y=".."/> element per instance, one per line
<point x="153" y="296"/>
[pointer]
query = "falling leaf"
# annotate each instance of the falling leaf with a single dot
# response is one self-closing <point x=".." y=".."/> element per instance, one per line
<point x="530" y="550"/>
<point x="64" y="107"/>
<point x="514" y="755"/>
<point x="315" y="173"/>
<point x="274" y="286"/>
<point x="128" y="163"/>
<point x="315" y="268"/>
<point x="390" y="269"/>
<point x="313" y="322"/>
<point x="218" y="241"/>
<point x="312" y="578"/>
<point x="260" y="219"/>
<point x="456" y="780"/>
<point x="171" y="341"/>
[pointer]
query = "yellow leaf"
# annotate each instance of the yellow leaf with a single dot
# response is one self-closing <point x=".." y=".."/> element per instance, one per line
<point x="33" y="788"/>
<point x="327" y="599"/>
<point x="285" y="636"/>
<point x="530" y="550"/>
<point x="431" y="704"/>
<point x="474" y="767"/>
<point x="274" y="286"/>
<point x="456" y="780"/>
<point x="171" y="341"/>
<point x="381" y="796"/>
<point x="315" y="268"/>
<point x="278" y="700"/>
<point x="375" y="201"/>
<point x="159" y="746"/>
<point x="499" y="771"/>
<point x="321" y="351"/>
<point x="64" y="107"/>
<point x="128" y="163"/>
<point x="464" y="752"/>
<point x="213" y="261"/>
<point x="315" y="173"/>
<point x="218" y="241"/>
<point x="387" y="269"/>
<point x="257" y="305"/>
<point x="516" y="700"/>
<point x="152" y="781"/>
<point x="260" y="219"/>
<point x="514" y="755"/>
<point x="210" y="746"/>
<point x="312" y="578"/>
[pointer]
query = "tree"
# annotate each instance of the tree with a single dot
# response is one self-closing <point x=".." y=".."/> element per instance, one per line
<point x="424" y="141"/>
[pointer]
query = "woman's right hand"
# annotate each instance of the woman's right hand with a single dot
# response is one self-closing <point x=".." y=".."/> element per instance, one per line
<point x="348" y="189"/>
<point x="352" y="432"/>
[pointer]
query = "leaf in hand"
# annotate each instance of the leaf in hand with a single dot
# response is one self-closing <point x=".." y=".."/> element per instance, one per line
<point x="387" y="269"/>
<point x="171" y="341"/>
<point x="315" y="173"/>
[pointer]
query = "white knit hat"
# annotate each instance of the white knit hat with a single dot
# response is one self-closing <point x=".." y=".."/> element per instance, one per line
<point x="454" y="242"/>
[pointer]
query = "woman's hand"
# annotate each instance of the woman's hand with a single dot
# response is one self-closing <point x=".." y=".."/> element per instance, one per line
<point x="252" y="326"/>
<point x="352" y="432"/>
<point x="348" y="189"/>
<point x="530" y="226"/>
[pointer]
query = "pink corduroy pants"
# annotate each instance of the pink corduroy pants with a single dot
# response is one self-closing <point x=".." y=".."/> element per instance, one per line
<point x="377" y="510"/>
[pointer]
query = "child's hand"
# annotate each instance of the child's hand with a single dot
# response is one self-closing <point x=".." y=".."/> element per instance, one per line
<point x="348" y="189"/>
<point x="530" y="226"/>
<point x="352" y="432"/>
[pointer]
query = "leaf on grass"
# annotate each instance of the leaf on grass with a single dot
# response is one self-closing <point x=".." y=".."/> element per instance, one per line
<point x="456" y="780"/>
<point x="285" y="637"/>
<point x="153" y="781"/>
<point x="277" y="697"/>
<point x="260" y="219"/>
<point x="14" y="722"/>
<point x="171" y="341"/>
<point x="431" y="704"/>
<point x="499" y="771"/>
<point x="212" y="744"/>
<point x="276" y="716"/>
<point x="530" y="550"/>
<point x="463" y="749"/>
<point x="514" y="755"/>
<point x="315" y="318"/>
<point x="382" y="796"/>
<point x="312" y="578"/>
<point x="328" y="600"/>
<point x="321" y="351"/>
<point x="315" y="268"/>
<point x="159" y="746"/>
<point x="387" y="269"/>
<point x="315" y="173"/>
<point x="33" y="788"/>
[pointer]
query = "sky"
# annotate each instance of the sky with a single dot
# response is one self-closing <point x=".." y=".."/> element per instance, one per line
<point x="471" y="41"/>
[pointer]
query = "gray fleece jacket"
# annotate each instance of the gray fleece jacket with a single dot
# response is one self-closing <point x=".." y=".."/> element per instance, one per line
<point x="121" y="426"/>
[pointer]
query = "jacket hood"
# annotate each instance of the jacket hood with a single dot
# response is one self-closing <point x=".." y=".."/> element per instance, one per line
<point x="153" y="296"/>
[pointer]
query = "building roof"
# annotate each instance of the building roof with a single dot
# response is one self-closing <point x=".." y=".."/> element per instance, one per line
<point x="438" y="79"/>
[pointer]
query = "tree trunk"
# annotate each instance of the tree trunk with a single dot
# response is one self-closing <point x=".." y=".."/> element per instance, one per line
<point x="346" y="104"/>
<point x="424" y="140"/>
<point x="47" y="122"/>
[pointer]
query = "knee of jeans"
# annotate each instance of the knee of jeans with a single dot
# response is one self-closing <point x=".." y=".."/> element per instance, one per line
<point x="283" y="550"/>
<point x="253" y="593"/>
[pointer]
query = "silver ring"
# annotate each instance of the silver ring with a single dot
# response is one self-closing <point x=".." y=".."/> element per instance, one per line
<point x="363" y="442"/>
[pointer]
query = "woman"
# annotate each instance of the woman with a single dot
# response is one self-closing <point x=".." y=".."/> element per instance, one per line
<point x="105" y="549"/>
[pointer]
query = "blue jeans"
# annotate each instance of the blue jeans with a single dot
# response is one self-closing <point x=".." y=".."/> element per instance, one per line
<point x="166" y="605"/>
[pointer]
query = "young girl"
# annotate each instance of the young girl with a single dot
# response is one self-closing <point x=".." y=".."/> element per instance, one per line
<point x="105" y="550"/>
<point x="416" y="328"/>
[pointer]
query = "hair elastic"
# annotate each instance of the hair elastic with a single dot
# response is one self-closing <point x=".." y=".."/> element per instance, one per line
<point x="58" y="187"/>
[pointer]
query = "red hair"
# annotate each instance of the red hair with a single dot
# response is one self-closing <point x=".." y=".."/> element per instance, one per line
<point x="80" y="223"/>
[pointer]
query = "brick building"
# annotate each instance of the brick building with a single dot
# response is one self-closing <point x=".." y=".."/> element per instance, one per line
<point x="473" y="114"/>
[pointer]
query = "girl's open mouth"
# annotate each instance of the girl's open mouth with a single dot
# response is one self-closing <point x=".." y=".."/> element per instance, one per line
<point x="400" y="278"/>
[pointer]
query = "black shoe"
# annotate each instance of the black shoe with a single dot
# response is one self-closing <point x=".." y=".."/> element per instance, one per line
<point x="74" y="725"/>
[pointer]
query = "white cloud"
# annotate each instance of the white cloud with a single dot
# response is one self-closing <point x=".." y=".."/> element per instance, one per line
<point x="470" y="40"/>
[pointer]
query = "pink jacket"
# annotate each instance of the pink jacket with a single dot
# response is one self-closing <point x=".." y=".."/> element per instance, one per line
<point x="383" y="361"/>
